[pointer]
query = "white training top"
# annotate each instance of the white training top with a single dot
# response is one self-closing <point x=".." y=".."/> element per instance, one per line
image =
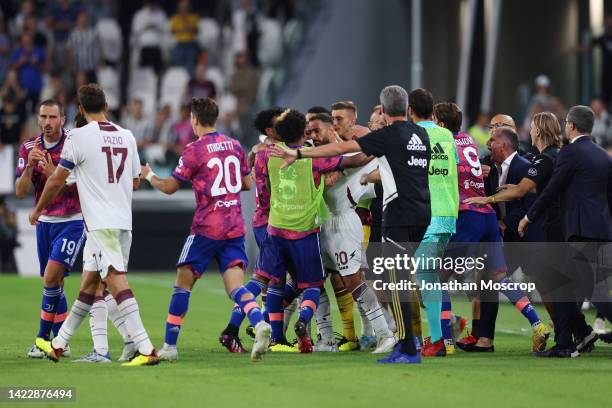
<point x="104" y="159"/>
<point x="347" y="192"/>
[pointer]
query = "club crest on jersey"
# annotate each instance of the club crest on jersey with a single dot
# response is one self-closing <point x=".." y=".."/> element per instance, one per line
<point x="532" y="172"/>
<point x="416" y="144"/>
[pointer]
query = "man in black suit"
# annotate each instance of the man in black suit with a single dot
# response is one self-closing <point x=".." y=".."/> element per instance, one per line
<point x="583" y="179"/>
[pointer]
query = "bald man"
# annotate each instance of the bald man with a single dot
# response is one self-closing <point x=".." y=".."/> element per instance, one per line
<point x="489" y="171"/>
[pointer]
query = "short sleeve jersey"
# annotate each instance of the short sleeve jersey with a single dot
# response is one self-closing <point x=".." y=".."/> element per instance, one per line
<point x="262" y="190"/>
<point x="348" y="191"/>
<point x="403" y="153"/>
<point x="215" y="165"/>
<point x="67" y="202"/>
<point x="542" y="167"/>
<point x="104" y="160"/>
<point x="469" y="172"/>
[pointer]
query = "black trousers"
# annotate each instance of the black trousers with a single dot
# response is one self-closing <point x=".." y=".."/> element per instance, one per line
<point x="582" y="279"/>
<point x="402" y="240"/>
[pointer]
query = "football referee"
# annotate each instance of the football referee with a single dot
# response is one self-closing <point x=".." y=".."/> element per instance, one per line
<point x="403" y="153"/>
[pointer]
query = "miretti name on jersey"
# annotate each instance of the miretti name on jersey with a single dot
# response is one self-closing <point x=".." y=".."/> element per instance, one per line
<point x="215" y="165"/>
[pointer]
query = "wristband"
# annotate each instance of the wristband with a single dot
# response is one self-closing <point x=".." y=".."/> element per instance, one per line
<point x="493" y="199"/>
<point x="299" y="154"/>
<point x="149" y="176"/>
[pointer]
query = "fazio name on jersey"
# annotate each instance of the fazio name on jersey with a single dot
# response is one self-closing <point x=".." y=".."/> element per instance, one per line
<point x="113" y="140"/>
<point x="416" y="162"/>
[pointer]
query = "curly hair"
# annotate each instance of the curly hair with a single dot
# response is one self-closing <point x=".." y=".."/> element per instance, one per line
<point x="290" y="125"/>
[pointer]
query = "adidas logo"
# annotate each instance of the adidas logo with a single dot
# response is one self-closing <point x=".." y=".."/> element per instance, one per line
<point x="416" y="144"/>
<point x="438" y="153"/>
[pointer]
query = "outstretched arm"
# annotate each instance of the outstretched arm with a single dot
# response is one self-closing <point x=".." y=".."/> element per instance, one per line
<point x="506" y="192"/>
<point x="328" y="150"/>
<point x="166" y="185"/>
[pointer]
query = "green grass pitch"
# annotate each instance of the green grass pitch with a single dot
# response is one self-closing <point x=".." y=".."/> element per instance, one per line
<point x="206" y="375"/>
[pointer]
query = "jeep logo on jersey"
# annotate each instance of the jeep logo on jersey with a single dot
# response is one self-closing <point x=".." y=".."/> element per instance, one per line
<point x="415" y="162"/>
<point x="438" y="153"/>
<point x="438" y="172"/>
<point x="416" y="144"/>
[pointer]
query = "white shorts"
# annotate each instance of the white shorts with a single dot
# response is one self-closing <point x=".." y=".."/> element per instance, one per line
<point x="106" y="248"/>
<point x="341" y="243"/>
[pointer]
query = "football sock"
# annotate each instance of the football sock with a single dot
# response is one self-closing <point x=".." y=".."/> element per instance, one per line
<point x="309" y="304"/>
<point x="179" y="304"/>
<point x="61" y="313"/>
<point x="432" y="302"/>
<point x="390" y="320"/>
<point x="128" y="307"/>
<point x="98" y="316"/>
<point x="274" y="304"/>
<point x="446" y="316"/>
<point x="237" y="316"/>
<point x="80" y="310"/>
<point x="248" y="304"/>
<point x="115" y="316"/>
<point x="48" y="308"/>
<point x="324" y="319"/>
<point x="264" y="296"/>
<point x="366" y="300"/>
<point x="366" y="326"/>
<point x="520" y="300"/>
<point x="290" y="292"/>
<point x="345" y="305"/>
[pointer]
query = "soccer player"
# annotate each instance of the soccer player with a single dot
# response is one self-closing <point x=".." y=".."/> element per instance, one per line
<point x="341" y="239"/>
<point x="344" y="116"/>
<point x="103" y="308"/>
<point x="99" y="154"/>
<point x="218" y="170"/>
<point x="403" y="152"/>
<point x="297" y="210"/>
<point x="479" y="224"/>
<point x="444" y="207"/>
<point x="264" y="123"/>
<point x="59" y="233"/>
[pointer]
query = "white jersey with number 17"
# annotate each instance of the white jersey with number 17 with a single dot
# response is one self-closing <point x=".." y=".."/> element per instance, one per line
<point x="104" y="159"/>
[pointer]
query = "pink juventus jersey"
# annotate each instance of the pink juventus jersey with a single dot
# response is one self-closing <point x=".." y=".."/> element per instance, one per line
<point x="262" y="190"/>
<point x="67" y="202"/>
<point x="215" y="165"/>
<point x="469" y="172"/>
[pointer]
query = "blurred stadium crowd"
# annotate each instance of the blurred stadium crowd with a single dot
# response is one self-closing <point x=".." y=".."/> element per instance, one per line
<point x="151" y="57"/>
